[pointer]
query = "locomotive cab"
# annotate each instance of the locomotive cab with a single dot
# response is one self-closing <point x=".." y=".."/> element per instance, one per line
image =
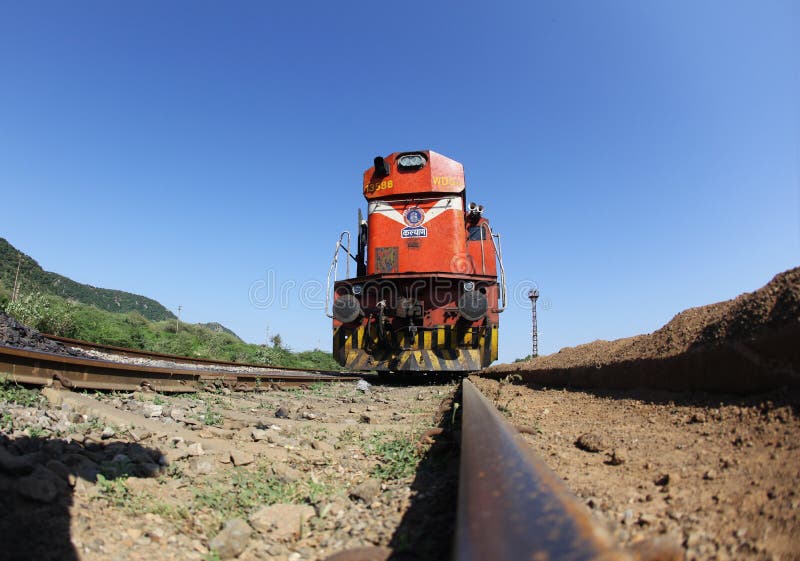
<point x="426" y="295"/>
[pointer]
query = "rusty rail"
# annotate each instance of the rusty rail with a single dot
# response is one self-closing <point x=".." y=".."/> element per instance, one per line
<point x="510" y="505"/>
<point x="34" y="367"/>
<point x="128" y="352"/>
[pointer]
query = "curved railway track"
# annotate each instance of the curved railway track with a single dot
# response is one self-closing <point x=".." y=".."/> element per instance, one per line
<point x="41" y="368"/>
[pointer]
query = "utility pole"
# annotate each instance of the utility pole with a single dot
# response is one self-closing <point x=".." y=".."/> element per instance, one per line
<point x="178" y="319"/>
<point x="15" y="292"/>
<point x="534" y="295"/>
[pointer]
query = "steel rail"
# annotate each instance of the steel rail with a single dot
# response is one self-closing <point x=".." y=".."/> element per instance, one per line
<point x="511" y="506"/>
<point x="40" y="368"/>
<point x="126" y="351"/>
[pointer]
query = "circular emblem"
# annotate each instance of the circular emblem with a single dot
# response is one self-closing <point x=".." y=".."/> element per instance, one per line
<point x="414" y="216"/>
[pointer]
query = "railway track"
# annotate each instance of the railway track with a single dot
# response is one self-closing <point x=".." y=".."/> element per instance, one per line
<point x="510" y="505"/>
<point x="41" y="368"/>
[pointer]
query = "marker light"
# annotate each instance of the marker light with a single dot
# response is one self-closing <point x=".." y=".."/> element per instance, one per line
<point x="411" y="161"/>
<point x="357" y="288"/>
<point x="469" y="286"/>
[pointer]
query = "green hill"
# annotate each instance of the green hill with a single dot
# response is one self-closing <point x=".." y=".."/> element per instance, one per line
<point x="32" y="278"/>
<point x="55" y="304"/>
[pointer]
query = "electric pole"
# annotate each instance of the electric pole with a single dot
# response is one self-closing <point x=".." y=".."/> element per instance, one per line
<point x="178" y="319"/>
<point x="534" y="295"/>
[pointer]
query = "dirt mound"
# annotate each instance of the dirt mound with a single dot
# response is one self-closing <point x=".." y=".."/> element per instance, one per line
<point x="753" y="334"/>
<point x="15" y="334"/>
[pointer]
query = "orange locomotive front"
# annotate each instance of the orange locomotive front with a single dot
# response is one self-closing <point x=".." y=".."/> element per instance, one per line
<point x="426" y="295"/>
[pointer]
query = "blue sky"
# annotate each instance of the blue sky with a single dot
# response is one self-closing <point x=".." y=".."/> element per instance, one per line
<point x="638" y="157"/>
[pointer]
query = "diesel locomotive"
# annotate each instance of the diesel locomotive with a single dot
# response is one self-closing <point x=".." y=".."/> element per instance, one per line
<point x="429" y="283"/>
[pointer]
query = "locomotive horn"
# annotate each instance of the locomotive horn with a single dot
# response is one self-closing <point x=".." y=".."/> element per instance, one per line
<point x="381" y="166"/>
<point x="472" y="206"/>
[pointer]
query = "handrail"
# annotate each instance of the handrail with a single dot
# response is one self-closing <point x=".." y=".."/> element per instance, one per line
<point x="499" y="252"/>
<point x="334" y="269"/>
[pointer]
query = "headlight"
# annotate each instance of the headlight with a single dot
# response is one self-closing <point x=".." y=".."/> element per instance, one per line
<point x="347" y="309"/>
<point x="357" y="288"/>
<point x="411" y="161"/>
<point x="473" y="305"/>
<point x="469" y="286"/>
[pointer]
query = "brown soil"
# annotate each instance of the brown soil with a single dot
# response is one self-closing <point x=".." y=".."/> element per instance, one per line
<point x="714" y="475"/>
<point x="742" y="345"/>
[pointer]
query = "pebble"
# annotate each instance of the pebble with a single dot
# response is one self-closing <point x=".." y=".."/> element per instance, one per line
<point x="195" y="449"/>
<point x="242" y="458"/>
<point x="366" y="491"/>
<point x="201" y="466"/>
<point x="591" y="442"/>
<point x="322" y="446"/>
<point x="282" y="413"/>
<point x="618" y="457"/>
<point x="281" y="521"/>
<point x="285" y="474"/>
<point x="232" y="540"/>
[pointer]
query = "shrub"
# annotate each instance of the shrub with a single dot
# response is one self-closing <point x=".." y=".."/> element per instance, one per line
<point x="46" y="313"/>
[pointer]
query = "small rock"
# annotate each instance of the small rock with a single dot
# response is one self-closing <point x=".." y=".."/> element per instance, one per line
<point x="201" y="466"/>
<point x="281" y="521"/>
<point x="282" y="412"/>
<point x="285" y="474"/>
<point x="591" y="442"/>
<point x="258" y="434"/>
<point x="308" y="415"/>
<point x="139" y="435"/>
<point x="195" y="449"/>
<point x="241" y="458"/>
<point x="321" y="445"/>
<point x="698" y="418"/>
<point x="710" y="475"/>
<point x="646" y="519"/>
<point x="177" y="414"/>
<point x="618" y="457"/>
<point x="363" y="386"/>
<point x="366" y="491"/>
<point x="232" y="540"/>
<point x="666" y="478"/>
<point x="365" y="419"/>
<point x="107" y="433"/>
<point x="152" y="410"/>
<point x="172" y="455"/>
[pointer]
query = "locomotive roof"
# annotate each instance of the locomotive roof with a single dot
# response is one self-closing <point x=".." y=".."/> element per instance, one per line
<point x="408" y="173"/>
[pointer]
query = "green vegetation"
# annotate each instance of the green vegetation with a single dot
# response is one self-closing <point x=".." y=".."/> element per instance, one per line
<point x="48" y="314"/>
<point x="32" y="279"/>
<point x="54" y="304"/>
<point x="11" y="392"/>
<point x="398" y="456"/>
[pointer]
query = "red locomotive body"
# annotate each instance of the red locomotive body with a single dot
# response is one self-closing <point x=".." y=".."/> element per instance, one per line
<point x="426" y="295"/>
